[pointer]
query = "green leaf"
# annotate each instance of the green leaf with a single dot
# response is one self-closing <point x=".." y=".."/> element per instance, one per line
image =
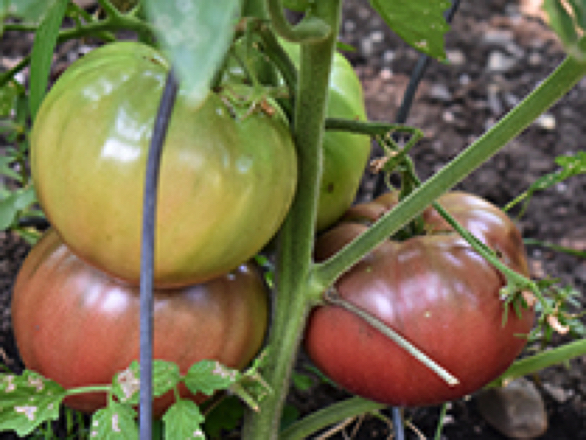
<point x="8" y="95"/>
<point x="27" y="401"/>
<point x="116" y="422"/>
<point x="224" y="417"/>
<point x="301" y="381"/>
<point x="6" y="170"/>
<point x="420" y="23"/>
<point x="31" y="10"/>
<point x="15" y="202"/>
<point x="183" y="421"/>
<point x="196" y="34"/>
<point x="126" y="384"/>
<point x="42" y="54"/>
<point x="210" y="376"/>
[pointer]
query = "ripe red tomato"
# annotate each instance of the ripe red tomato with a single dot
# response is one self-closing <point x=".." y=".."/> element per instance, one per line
<point x="436" y="292"/>
<point x="226" y="180"/>
<point x="78" y="326"/>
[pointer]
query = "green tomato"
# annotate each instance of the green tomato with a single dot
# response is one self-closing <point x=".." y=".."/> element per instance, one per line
<point x="226" y="181"/>
<point x="345" y="154"/>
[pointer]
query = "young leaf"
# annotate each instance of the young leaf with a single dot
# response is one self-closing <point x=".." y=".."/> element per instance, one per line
<point x="420" y="23"/>
<point x="210" y="376"/>
<point x="126" y="384"/>
<point x="42" y="54"/>
<point x="571" y="166"/>
<point x="115" y="422"/>
<point x="183" y="421"/>
<point x="27" y="401"/>
<point x="196" y="34"/>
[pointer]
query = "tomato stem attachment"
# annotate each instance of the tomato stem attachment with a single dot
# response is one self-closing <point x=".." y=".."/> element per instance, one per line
<point x="332" y="296"/>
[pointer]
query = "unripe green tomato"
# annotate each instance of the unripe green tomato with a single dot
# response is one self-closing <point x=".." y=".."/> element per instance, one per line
<point x="345" y="154"/>
<point x="226" y="180"/>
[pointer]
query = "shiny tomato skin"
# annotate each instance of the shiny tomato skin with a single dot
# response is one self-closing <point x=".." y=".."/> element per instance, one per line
<point x="344" y="154"/>
<point x="226" y="180"/>
<point x="433" y="290"/>
<point x="78" y="326"/>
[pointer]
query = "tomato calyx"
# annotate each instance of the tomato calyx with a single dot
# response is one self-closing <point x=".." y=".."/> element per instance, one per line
<point x="332" y="297"/>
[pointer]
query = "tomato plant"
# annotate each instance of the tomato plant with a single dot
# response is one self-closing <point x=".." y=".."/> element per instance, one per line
<point x="77" y="326"/>
<point x="226" y="182"/>
<point x="228" y="176"/>
<point x="434" y="290"/>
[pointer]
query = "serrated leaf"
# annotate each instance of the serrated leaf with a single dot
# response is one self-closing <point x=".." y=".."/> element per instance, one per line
<point x="27" y="401"/>
<point x="420" y="23"/>
<point x="224" y="417"/>
<point x="183" y="421"/>
<point x="126" y="384"/>
<point x="210" y="376"/>
<point x="196" y="34"/>
<point x="42" y="53"/>
<point x="116" y="422"/>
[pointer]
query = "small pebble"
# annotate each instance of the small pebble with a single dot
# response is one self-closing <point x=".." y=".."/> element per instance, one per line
<point x="516" y="410"/>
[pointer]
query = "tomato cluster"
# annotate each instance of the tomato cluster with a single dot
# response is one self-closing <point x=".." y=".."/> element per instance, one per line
<point x="226" y="183"/>
<point x="432" y="289"/>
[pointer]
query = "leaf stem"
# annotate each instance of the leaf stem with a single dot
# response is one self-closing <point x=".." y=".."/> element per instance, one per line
<point x="333" y="298"/>
<point x="544" y="359"/>
<point x="312" y="423"/>
<point x="553" y="88"/>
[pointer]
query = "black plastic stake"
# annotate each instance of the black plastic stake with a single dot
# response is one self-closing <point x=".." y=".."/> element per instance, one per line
<point x="148" y="255"/>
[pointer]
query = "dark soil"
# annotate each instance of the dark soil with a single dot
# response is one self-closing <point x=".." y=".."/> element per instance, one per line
<point x="498" y="54"/>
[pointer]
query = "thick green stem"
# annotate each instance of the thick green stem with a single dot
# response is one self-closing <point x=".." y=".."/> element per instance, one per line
<point x="352" y="407"/>
<point x="543" y="97"/>
<point x="294" y="259"/>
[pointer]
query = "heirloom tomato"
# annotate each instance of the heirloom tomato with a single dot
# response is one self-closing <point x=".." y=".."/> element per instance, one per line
<point x="226" y="181"/>
<point x="345" y="154"/>
<point x="435" y="291"/>
<point x="78" y="326"/>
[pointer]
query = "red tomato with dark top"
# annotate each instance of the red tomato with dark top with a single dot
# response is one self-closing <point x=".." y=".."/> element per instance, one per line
<point x="435" y="291"/>
<point x="78" y="326"/>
